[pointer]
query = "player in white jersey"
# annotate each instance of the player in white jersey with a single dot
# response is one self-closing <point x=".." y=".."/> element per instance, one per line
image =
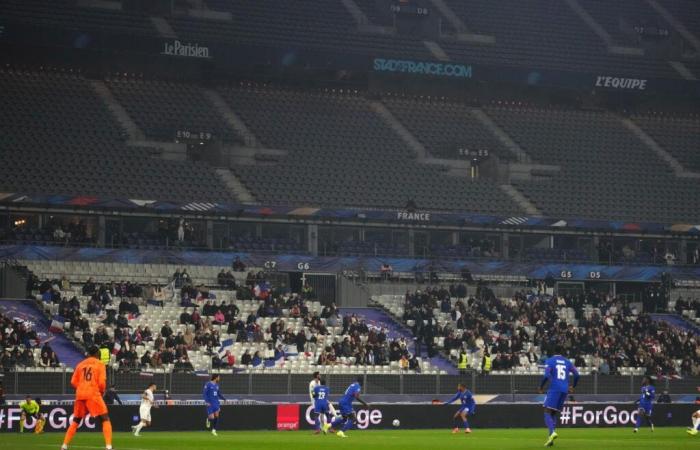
<point x="147" y="402"/>
<point x="696" y="421"/>
<point x="696" y="424"/>
<point x="316" y="381"/>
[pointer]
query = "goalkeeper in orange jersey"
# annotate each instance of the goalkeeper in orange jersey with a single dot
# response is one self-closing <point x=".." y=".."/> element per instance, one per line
<point x="90" y="382"/>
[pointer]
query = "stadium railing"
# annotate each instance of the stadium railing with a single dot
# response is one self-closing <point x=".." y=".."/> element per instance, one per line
<point x="260" y="383"/>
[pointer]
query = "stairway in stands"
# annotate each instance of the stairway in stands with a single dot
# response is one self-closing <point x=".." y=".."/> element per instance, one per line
<point x="395" y="330"/>
<point x="28" y="311"/>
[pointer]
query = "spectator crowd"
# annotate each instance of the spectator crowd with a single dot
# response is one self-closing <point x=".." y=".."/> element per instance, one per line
<point x="17" y="344"/>
<point x="599" y="332"/>
<point x="117" y="303"/>
<point x="521" y="331"/>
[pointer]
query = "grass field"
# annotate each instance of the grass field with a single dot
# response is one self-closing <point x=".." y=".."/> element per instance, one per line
<point x="588" y="439"/>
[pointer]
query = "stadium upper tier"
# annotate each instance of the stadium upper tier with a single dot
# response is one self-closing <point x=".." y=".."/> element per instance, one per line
<point x="341" y="152"/>
<point x="54" y="127"/>
<point x="533" y="33"/>
<point x="340" y="148"/>
<point x="546" y="34"/>
<point x="607" y="171"/>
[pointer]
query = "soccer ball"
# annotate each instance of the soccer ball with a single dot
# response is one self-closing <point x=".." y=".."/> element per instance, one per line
<point x="396" y="423"/>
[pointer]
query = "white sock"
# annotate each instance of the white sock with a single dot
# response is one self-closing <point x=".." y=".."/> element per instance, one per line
<point x="138" y="427"/>
<point x="696" y="420"/>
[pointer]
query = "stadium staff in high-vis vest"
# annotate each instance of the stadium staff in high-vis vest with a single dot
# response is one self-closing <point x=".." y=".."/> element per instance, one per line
<point x="90" y="382"/>
<point x="105" y="355"/>
<point x="486" y="363"/>
<point x="463" y="362"/>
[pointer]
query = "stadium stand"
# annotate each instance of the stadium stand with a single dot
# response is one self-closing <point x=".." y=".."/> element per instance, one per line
<point x="300" y="25"/>
<point x="184" y="329"/>
<point x="678" y="134"/>
<point x="161" y="109"/>
<point x="341" y="153"/>
<point x="607" y="334"/>
<point x="686" y="11"/>
<point x="52" y="109"/>
<point x="65" y="14"/>
<point x="533" y="33"/>
<point x="334" y="149"/>
<point x="542" y="34"/>
<point x="620" y="18"/>
<point x="312" y="126"/>
<point x="19" y="347"/>
<point x="445" y="127"/>
<point x="589" y="146"/>
<point x="602" y="333"/>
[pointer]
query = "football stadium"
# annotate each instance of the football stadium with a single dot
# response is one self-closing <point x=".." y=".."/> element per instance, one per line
<point x="395" y="224"/>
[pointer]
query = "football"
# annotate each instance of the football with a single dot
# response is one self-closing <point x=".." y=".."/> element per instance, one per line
<point x="396" y="423"/>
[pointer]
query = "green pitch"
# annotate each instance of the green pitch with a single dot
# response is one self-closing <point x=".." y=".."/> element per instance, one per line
<point x="585" y="439"/>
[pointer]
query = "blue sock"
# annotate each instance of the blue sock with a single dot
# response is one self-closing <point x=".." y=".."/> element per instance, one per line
<point x="465" y="422"/>
<point x="337" y="421"/>
<point x="698" y="427"/>
<point x="639" y="421"/>
<point x="347" y="425"/>
<point x="317" y="423"/>
<point x="214" y="422"/>
<point x="549" y="421"/>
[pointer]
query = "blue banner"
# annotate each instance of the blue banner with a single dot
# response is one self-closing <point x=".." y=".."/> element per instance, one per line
<point x="341" y="214"/>
<point x="320" y="264"/>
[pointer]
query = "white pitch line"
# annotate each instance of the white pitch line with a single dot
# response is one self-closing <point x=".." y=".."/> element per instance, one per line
<point x="92" y="447"/>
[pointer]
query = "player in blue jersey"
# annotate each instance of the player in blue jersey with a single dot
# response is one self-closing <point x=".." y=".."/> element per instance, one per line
<point x="347" y="414"/>
<point x="645" y="403"/>
<point x="556" y="371"/>
<point x="211" y="397"/>
<point x="467" y="407"/>
<point x="321" y="394"/>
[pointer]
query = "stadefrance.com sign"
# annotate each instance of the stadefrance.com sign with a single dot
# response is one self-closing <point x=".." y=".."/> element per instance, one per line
<point x="422" y="68"/>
